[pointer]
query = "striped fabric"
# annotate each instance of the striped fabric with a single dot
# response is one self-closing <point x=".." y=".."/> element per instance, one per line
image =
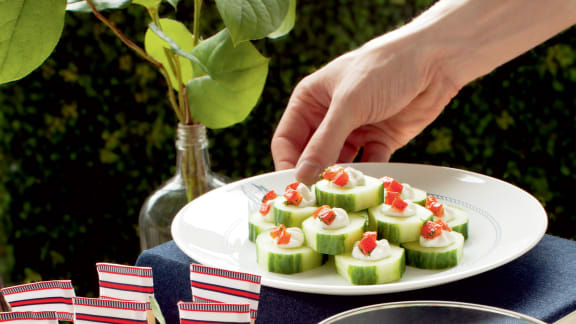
<point x="101" y="310"/>
<point x="213" y="285"/>
<point x="125" y="282"/>
<point x="204" y="313"/>
<point x="55" y="295"/>
<point x="29" y="317"/>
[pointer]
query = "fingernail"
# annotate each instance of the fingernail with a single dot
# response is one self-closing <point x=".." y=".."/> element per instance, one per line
<point x="307" y="172"/>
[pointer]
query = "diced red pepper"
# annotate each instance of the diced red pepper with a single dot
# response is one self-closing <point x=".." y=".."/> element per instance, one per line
<point x="443" y="225"/>
<point x="368" y="243"/>
<point x="390" y="196"/>
<point x="330" y="173"/>
<point x="276" y="231"/>
<point x="265" y="208"/>
<point x="320" y="210"/>
<point x="325" y="213"/>
<point x="293" y="197"/>
<point x="284" y="238"/>
<point x="431" y="230"/>
<point x="399" y="205"/>
<point x="430" y="200"/>
<point x="392" y="185"/>
<point x="293" y="186"/>
<point x="437" y="209"/>
<point x="341" y="178"/>
<point x="269" y="196"/>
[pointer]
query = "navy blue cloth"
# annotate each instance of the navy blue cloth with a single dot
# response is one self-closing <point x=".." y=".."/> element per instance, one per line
<point x="541" y="284"/>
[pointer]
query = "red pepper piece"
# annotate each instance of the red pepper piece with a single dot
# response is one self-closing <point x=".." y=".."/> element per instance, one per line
<point x="430" y="200"/>
<point x="392" y="185"/>
<point x="276" y="231"/>
<point x="330" y="173"/>
<point x="320" y="210"/>
<point x="269" y="196"/>
<point x="437" y="209"/>
<point x="325" y="213"/>
<point x="293" y="197"/>
<point x="390" y="196"/>
<point x="293" y="186"/>
<point x="284" y="238"/>
<point x="443" y="225"/>
<point x="265" y="208"/>
<point x="431" y="230"/>
<point x="341" y="178"/>
<point x="399" y="205"/>
<point x="368" y="243"/>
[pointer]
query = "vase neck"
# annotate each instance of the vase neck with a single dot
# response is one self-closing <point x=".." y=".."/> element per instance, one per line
<point x="193" y="161"/>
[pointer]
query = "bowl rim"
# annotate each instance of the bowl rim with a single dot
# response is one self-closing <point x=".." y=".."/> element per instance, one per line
<point x="429" y="303"/>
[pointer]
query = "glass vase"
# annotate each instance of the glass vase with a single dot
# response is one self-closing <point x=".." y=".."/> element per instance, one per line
<point x="193" y="177"/>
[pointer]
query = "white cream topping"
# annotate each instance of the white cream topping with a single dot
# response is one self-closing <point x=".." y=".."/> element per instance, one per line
<point x="296" y="239"/>
<point x="444" y="239"/>
<point x="355" y="178"/>
<point x="449" y="214"/>
<point x="308" y="196"/>
<point x="341" y="220"/>
<point x="269" y="217"/>
<point x="381" y="251"/>
<point x="407" y="192"/>
<point x="410" y="210"/>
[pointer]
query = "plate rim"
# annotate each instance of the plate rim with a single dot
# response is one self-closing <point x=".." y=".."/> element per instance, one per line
<point x="390" y="287"/>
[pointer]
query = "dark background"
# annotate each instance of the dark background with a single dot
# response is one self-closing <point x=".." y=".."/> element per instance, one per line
<point x="86" y="137"/>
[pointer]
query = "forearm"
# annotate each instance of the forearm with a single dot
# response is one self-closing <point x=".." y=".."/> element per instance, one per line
<point x="470" y="38"/>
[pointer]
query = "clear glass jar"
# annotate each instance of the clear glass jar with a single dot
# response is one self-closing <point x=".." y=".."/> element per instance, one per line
<point x="193" y="178"/>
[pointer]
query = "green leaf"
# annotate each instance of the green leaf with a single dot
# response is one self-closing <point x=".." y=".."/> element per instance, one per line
<point x="181" y="38"/>
<point x="82" y="5"/>
<point x="156" y="310"/>
<point x="147" y="3"/>
<point x="237" y="76"/>
<point x="29" y="33"/>
<point x="252" y="19"/>
<point x="288" y="22"/>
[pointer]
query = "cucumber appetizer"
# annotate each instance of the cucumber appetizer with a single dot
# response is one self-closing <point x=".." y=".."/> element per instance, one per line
<point x="371" y="262"/>
<point x="262" y="219"/>
<point x="454" y="217"/>
<point x="282" y="250"/>
<point x="437" y="248"/>
<point x="334" y="231"/>
<point x="373" y="227"/>
<point x="348" y="189"/>
<point x="297" y="204"/>
<point x="397" y="220"/>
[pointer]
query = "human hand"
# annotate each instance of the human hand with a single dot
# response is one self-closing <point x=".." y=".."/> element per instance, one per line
<point x="377" y="97"/>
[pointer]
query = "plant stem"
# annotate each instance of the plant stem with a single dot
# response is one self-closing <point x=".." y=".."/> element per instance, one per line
<point x="196" y="30"/>
<point x="140" y="52"/>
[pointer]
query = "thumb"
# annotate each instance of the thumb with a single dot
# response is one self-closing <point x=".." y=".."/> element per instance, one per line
<point x="324" y="147"/>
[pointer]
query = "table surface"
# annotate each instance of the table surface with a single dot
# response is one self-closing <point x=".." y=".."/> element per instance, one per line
<point x="541" y="284"/>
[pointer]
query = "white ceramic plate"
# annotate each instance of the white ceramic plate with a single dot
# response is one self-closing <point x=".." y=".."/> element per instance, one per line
<point x="505" y="222"/>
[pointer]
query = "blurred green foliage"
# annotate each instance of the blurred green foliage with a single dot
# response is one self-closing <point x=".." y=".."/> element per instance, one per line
<point x="85" y="138"/>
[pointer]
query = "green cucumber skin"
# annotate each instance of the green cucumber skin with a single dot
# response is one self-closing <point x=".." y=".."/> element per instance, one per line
<point x="285" y="261"/>
<point x="399" y="229"/>
<point x="353" y="201"/>
<point x="434" y="258"/>
<point x="360" y="272"/>
<point x="257" y="226"/>
<point x="290" y="216"/>
<point x="462" y="229"/>
<point x="336" y="241"/>
<point x="460" y="221"/>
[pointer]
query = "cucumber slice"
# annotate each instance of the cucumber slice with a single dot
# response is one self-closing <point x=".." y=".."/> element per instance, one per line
<point x="351" y="199"/>
<point x="434" y="257"/>
<point x="399" y="229"/>
<point x="419" y="196"/>
<point x="335" y="241"/>
<point x="290" y="215"/>
<point x="362" y="272"/>
<point x="257" y="225"/>
<point x="459" y="222"/>
<point x="281" y="260"/>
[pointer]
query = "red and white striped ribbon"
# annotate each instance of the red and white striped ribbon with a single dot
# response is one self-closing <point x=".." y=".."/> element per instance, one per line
<point x="29" y="317"/>
<point x="214" y="285"/>
<point x="201" y="313"/>
<point x="55" y="296"/>
<point x="125" y="282"/>
<point x="102" y="310"/>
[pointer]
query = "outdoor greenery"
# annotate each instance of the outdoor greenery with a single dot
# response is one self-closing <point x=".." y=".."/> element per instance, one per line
<point x="86" y="137"/>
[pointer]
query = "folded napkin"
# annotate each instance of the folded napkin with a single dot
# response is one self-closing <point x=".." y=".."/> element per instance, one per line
<point x="29" y="317"/>
<point x="200" y="313"/>
<point x="125" y="282"/>
<point x="214" y="285"/>
<point x="55" y="295"/>
<point x="101" y="310"/>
